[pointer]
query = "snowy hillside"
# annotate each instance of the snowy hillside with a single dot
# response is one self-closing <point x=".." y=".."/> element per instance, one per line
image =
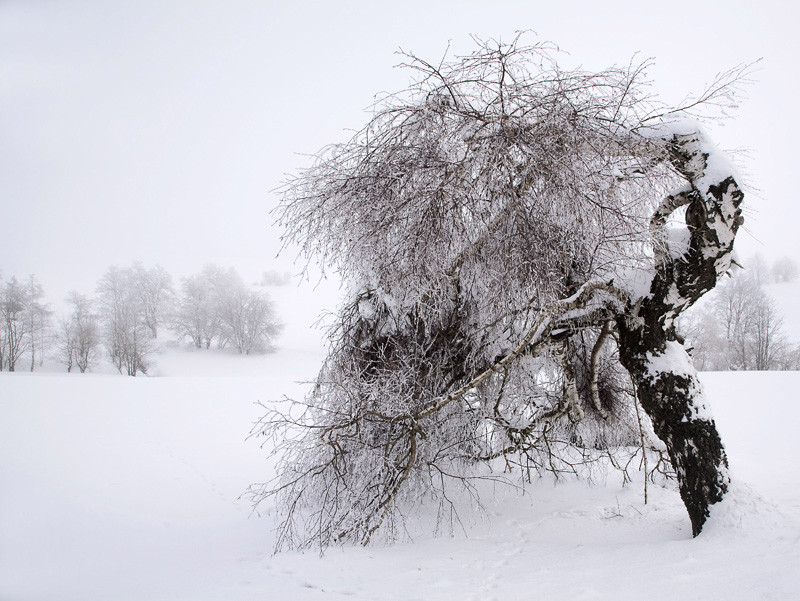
<point x="128" y="489"/>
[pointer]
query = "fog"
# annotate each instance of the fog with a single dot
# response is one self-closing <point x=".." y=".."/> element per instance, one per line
<point x="159" y="131"/>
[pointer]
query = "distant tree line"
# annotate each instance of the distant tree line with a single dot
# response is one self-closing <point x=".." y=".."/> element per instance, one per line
<point x="25" y="323"/>
<point x="740" y="327"/>
<point x="126" y="317"/>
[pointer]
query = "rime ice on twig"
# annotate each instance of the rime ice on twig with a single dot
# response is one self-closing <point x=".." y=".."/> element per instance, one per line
<point x="503" y="228"/>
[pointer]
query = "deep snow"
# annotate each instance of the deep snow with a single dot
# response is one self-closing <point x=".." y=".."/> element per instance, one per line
<point x="128" y="488"/>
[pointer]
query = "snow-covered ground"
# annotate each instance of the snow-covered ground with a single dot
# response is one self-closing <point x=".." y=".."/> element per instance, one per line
<point x="119" y="488"/>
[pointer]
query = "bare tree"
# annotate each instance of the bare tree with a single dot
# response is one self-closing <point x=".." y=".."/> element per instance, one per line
<point x="16" y="333"/>
<point x="768" y="339"/>
<point x="156" y="294"/>
<point x="784" y="270"/>
<point x="734" y="304"/>
<point x="194" y="315"/>
<point x="127" y="335"/>
<point x="273" y="278"/>
<point x="740" y="329"/>
<point x="198" y="314"/>
<point x="247" y="320"/>
<point x="67" y="343"/>
<point x="79" y="334"/>
<point x="511" y="234"/>
<point x="706" y="339"/>
<point x="39" y="318"/>
<point x="216" y="304"/>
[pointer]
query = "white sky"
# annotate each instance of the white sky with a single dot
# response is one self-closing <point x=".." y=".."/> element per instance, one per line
<point x="155" y="130"/>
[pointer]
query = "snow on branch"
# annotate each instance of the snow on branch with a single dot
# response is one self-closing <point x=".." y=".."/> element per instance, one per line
<point x="563" y="314"/>
<point x="496" y="223"/>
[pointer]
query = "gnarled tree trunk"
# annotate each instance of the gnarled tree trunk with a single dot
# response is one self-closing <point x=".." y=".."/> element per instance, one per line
<point x="670" y="393"/>
<point x="651" y="350"/>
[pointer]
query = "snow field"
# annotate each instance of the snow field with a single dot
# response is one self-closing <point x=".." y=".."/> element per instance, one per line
<point x="118" y="488"/>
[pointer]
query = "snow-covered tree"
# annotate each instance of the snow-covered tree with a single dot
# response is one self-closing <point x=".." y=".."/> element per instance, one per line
<point x="247" y="320"/>
<point x="196" y="316"/>
<point x="740" y="328"/>
<point x="274" y="278"/>
<point x="784" y="269"/>
<point x="132" y="303"/>
<point x="25" y="323"/>
<point x="155" y="293"/>
<point x="514" y="239"/>
<point x="126" y="333"/>
<point x="79" y="335"/>
<point x="15" y="335"/>
<point x="39" y="317"/>
<point x="216" y="304"/>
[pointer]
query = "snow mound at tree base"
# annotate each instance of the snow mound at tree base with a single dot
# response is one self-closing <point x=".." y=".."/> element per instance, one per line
<point x="744" y="512"/>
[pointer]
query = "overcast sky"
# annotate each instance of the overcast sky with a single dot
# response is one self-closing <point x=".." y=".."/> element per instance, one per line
<point x="156" y="130"/>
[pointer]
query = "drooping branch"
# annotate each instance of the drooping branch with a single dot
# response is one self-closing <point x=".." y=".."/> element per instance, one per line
<point x="495" y="185"/>
<point x="557" y="315"/>
<point x="593" y="363"/>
